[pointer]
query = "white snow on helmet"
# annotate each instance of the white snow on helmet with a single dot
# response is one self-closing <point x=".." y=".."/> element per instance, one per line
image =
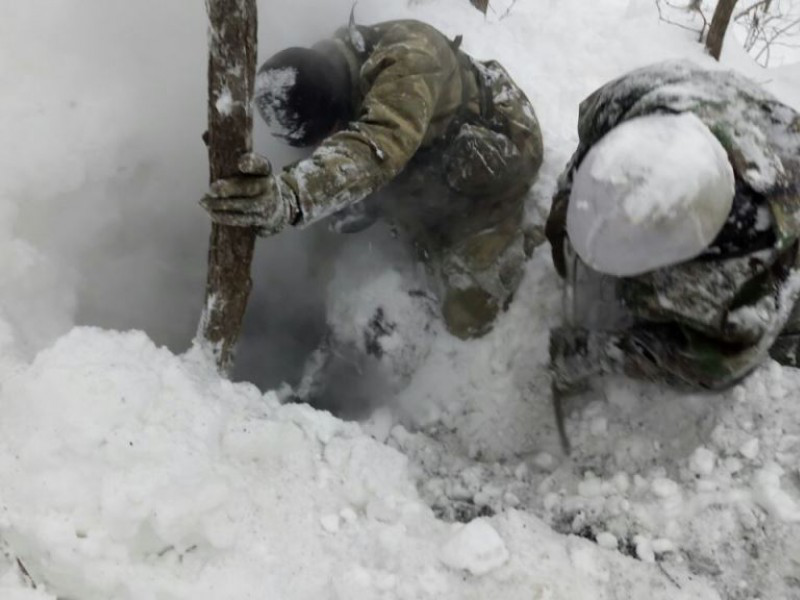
<point x="272" y="100"/>
<point x="654" y="192"/>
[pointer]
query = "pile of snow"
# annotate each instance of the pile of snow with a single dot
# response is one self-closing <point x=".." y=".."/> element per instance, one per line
<point x="129" y="472"/>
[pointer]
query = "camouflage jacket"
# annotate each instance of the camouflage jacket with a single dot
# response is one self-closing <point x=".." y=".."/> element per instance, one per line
<point x="716" y="315"/>
<point x="410" y="83"/>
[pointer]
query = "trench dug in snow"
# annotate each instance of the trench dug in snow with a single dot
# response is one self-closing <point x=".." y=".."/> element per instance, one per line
<point x="131" y="471"/>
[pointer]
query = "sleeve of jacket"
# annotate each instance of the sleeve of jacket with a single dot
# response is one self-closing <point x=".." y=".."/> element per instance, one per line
<point x="402" y="81"/>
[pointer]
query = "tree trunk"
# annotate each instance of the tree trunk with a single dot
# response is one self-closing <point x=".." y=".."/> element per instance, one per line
<point x="231" y="77"/>
<point x="719" y="25"/>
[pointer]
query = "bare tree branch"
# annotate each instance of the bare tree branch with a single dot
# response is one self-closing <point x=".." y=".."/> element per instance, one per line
<point x="751" y="8"/>
<point x="768" y="42"/>
<point x="768" y="23"/>
<point x="690" y="8"/>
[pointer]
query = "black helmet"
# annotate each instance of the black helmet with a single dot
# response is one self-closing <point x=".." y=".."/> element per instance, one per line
<point x="303" y="94"/>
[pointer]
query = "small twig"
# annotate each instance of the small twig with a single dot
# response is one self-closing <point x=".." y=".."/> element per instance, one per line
<point x="508" y="10"/>
<point x="752" y="7"/>
<point x="681" y="25"/>
<point x="667" y="574"/>
<point x="705" y="22"/>
<point x="25" y="574"/>
<point x="561" y="425"/>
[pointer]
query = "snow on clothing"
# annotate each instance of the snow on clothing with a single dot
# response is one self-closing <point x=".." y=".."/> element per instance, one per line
<point x="462" y="145"/>
<point x="709" y="321"/>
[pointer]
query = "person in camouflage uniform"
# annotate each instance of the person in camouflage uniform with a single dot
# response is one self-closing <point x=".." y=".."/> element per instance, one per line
<point x="410" y="129"/>
<point x="707" y="322"/>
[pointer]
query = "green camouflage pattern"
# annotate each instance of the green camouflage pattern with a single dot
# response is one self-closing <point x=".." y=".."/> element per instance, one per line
<point x="708" y="322"/>
<point x="460" y="144"/>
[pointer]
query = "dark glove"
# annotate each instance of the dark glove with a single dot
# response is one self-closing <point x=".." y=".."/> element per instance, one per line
<point x="256" y="198"/>
<point x="578" y="354"/>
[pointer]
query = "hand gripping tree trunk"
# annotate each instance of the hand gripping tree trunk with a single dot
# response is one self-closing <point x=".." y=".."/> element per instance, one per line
<point x="231" y="77"/>
<point x="719" y="25"/>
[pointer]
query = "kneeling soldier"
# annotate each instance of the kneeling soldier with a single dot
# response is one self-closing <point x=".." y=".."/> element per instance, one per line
<point x="676" y="228"/>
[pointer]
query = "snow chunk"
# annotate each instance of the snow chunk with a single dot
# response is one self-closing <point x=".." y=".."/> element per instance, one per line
<point x="702" y="461"/>
<point x="607" y="540"/>
<point x="644" y="549"/>
<point x="750" y="448"/>
<point x="665" y="488"/>
<point x="661" y="183"/>
<point x="476" y="548"/>
<point x="585" y="558"/>
<point x="330" y="523"/>
<point x="772" y="498"/>
<point x="663" y="545"/>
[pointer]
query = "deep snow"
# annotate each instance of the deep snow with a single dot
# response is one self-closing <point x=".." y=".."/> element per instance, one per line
<point x="127" y="471"/>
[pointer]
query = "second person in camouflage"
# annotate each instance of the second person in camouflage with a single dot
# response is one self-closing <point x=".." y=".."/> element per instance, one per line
<point x="708" y="321"/>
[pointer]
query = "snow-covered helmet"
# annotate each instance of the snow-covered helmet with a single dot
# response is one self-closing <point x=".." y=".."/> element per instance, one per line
<point x="653" y="192"/>
<point x="303" y="94"/>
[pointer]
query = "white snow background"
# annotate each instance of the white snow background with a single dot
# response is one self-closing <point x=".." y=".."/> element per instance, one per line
<point x="131" y="471"/>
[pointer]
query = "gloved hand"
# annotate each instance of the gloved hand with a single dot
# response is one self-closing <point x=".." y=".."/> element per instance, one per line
<point x="256" y="198"/>
<point x="577" y="355"/>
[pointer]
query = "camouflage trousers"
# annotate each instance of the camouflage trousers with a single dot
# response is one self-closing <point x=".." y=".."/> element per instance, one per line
<point x="460" y="204"/>
<point x="473" y="245"/>
<point x="473" y="249"/>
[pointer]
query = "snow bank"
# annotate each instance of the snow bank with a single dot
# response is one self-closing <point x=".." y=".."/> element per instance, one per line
<point x="128" y="472"/>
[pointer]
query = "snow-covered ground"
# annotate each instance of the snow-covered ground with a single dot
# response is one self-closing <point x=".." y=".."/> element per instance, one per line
<point x="132" y="471"/>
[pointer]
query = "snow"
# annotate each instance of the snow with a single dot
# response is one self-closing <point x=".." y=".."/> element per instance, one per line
<point x="224" y="103"/>
<point x="702" y="461"/>
<point x="750" y="449"/>
<point x="271" y="97"/>
<point x="129" y="471"/>
<point x="607" y="540"/>
<point x="661" y="183"/>
<point x="157" y="479"/>
<point x="476" y="547"/>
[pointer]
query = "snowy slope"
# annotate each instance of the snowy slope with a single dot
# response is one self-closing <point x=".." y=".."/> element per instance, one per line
<point x="127" y="471"/>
